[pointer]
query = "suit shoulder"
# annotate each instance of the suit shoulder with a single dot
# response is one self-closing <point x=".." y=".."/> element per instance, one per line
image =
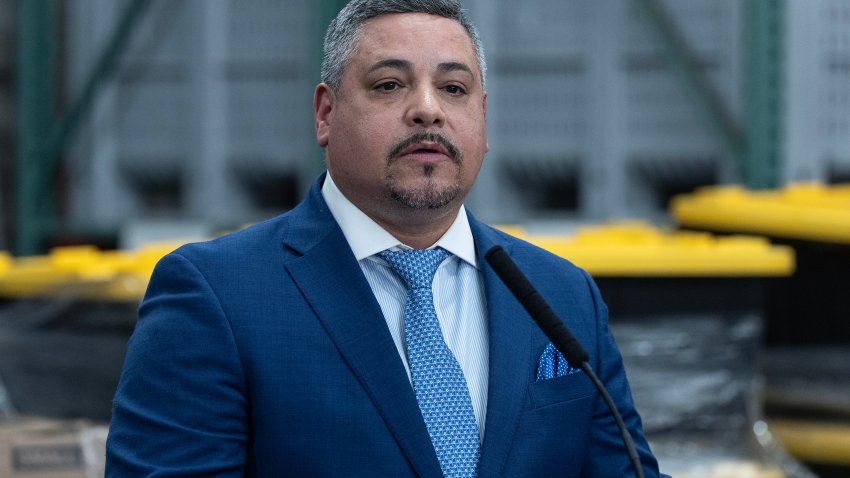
<point x="255" y="240"/>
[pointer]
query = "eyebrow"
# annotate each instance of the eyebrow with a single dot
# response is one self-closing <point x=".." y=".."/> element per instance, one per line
<point x="451" y="66"/>
<point x="399" y="64"/>
<point x="393" y="63"/>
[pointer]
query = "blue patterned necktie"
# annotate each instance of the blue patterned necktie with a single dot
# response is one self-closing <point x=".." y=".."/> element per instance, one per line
<point x="437" y="377"/>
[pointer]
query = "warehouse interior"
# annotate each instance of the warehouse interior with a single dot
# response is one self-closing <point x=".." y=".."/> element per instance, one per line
<point x="693" y="156"/>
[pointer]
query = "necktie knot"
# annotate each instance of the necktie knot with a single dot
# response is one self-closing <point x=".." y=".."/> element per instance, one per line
<point x="415" y="266"/>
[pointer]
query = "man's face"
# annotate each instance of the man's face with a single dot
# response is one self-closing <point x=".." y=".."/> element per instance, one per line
<point x="406" y="131"/>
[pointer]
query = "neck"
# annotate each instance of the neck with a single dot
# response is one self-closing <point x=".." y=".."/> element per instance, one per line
<point x="419" y="229"/>
<point x="416" y="228"/>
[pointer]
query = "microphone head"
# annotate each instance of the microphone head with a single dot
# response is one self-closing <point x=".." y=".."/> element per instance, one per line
<point x="496" y="253"/>
<point x="497" y="249"/>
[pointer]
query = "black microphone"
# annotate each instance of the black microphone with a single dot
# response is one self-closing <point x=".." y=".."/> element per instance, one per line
<point x="558" y="334"/>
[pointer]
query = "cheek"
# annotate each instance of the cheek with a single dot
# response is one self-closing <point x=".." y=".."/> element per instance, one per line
<point x="474" y="137"/>
<point x="372" y="132"/>
<point x="360" y="149"/>
<point x="354" y="136"/>
<point x="475" y="140"/>
<point x="473" y="125"/>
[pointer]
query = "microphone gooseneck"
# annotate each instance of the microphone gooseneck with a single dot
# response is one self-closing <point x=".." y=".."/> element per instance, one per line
<point x="536" y="306"/>
<point x="558" y="334"/>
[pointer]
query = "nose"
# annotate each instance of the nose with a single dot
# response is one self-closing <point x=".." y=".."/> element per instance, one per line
<point x="425" y="109"/>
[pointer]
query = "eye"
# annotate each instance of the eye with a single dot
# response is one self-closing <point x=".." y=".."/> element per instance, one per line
<point x="454" y="90"/>
<point x="387" y="86"/>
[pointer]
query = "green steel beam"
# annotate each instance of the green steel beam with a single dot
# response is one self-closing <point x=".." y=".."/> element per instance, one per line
<point x="686" y="62"/>
<point x="41" y="140"/>
<point x="763" y="92"/>
<point x="105" y="66"/>
<point x="36" y="90"/>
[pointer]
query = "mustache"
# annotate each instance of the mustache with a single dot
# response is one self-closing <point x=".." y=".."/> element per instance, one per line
<point x="421" y="137"/>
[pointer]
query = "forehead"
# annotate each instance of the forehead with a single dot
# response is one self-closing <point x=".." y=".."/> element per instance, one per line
<point x="413" y="36"/>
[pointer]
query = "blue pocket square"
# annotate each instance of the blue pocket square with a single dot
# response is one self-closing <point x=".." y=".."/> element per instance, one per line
<point x="552" y="364"/>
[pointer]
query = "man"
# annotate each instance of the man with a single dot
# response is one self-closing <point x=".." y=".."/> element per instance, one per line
<point x="304" y="345"/>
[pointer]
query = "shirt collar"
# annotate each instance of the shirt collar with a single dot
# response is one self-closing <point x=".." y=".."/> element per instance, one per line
<point x="366" y="238"/>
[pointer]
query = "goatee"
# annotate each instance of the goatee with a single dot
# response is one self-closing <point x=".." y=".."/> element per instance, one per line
<point x="431" y="195"/>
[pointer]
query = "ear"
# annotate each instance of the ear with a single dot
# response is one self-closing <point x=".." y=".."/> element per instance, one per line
<point x="323" y="100"/>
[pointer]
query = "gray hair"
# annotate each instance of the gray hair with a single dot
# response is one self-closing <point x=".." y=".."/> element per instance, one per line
<point x="344" y="30"/>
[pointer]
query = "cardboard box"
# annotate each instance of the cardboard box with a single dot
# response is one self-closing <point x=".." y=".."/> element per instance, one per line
<point x="46" y="448"/>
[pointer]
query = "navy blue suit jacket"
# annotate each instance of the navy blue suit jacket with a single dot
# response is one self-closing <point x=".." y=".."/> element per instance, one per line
<point x="264" y="353"/>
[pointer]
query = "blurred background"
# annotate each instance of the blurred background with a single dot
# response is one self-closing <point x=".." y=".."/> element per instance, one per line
<point x="124" y="123"/>
<point x="199" y="112"/>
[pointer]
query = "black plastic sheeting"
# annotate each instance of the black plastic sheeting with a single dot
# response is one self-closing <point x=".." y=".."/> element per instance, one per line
<point x="693" y="359"/>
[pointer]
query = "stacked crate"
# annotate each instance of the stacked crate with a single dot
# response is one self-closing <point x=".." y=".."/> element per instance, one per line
<point x="587" y="117"/>
<point x="817" y="73"/>
<point x="210" y="114"/>
<point x="207" y="118"/>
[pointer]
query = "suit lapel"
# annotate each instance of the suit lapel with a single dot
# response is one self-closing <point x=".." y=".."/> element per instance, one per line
<point x="513" y="343"/>
<point x="332" y="282"/>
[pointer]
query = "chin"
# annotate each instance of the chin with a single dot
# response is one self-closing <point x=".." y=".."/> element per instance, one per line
<point x="431" y="196"/>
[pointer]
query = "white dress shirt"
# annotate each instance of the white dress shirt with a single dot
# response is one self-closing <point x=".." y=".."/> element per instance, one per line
<point x="458" y="290"/>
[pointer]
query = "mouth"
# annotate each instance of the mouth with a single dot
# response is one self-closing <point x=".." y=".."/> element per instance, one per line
<point x="426" y="150"/>
<point x="425" y="147"/>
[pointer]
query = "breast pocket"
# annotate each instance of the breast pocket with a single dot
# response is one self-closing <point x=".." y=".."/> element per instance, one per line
<point x="560" y="389"/>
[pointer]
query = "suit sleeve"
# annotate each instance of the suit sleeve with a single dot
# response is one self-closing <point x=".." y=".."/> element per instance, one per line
<point x="607" y="456"/>
<point x="180" y="409"/>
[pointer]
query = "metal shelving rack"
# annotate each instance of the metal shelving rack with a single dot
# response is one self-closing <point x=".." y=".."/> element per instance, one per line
<point x="592" y="107"/>
<point x="817" y="108"/>
<point x="207" y="116"/>
<point x="200" y="110"/>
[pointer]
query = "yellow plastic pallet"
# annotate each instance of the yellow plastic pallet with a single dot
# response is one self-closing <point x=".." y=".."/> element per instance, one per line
<point x="817" y="442"/>
<point x="805" y="211"/>
<point x="82" y="272"/>
<point x="5" y="262"/>
<point x="640" y="250"/>
<point x="623" y="250"/>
